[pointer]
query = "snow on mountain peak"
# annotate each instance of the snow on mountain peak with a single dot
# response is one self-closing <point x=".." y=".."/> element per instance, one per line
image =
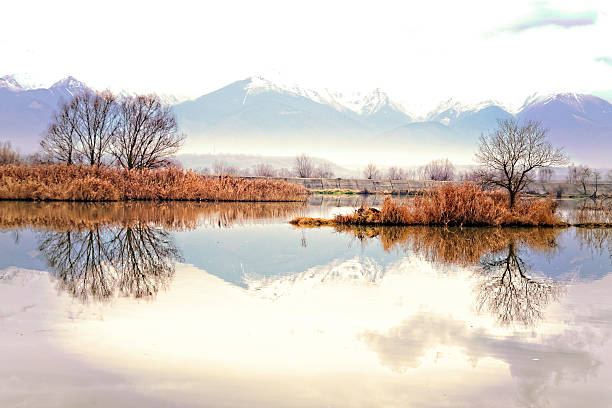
<point x="451" y="109"/>
<point x="69" y="83"/>
<point x="357" y="102"/>
<point x="572" y="99"/>
<point x="9" y="82"/>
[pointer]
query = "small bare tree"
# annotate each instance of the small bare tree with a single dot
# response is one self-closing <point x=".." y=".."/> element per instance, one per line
<point x="147" y="133"/>
<point x="221" y="167"/>
<point x="510" y="154"/>
<point x="324" y="170"/>
<point x="579" y="176"/>
<point x="545" y="175"/>
<point x="7" y="154"/>
<point x="440" y="170"/>
<point x="371" y="172"/>
<point x="596" y="181"/>
<point x="264" y="170"/>
<point x="396" y="173"/>
<point x="304" y="166"/>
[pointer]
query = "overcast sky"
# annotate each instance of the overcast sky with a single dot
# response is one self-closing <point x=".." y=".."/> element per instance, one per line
<point x="420" y="52"/>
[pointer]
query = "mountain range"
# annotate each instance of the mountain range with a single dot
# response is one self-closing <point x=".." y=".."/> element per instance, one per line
<point x="259" y="116"/>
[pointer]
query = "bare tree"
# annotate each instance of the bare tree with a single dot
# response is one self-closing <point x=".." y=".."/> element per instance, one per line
<point x="324" y="170"/>
<point x="469" y="175"/>
<point x="95" y="124"/>
<point x="264" y="170"/>
<point x="304" y="166"/>
<point x="60" y="141"/>
<point x="510" y="154"/>
<point x="221" y="167"/>
<point x="147" y="133"/>
<point x="83" y="129"/>
<point x="395" y="173"/>
<point x="545" y="174"/>
<point x="284" y="172"/>
<point x="440" y="170"/>
<point x="579" y="176"/>
<point x="596" y="181"/>
<point x="371" y="172"/>
<point x="7" y="154"/>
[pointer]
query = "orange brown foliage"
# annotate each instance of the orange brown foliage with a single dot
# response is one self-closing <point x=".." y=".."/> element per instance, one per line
<point x="170" y="215"/>
<point x="463" y="204"/>
<point x="90" y="183"/>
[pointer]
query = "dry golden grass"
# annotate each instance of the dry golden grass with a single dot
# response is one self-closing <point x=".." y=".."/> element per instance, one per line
<point x="463" y="204"/>
<point x="461" y="246"/>
<point x="89" y="183"/>
<point x="170" y="215"/>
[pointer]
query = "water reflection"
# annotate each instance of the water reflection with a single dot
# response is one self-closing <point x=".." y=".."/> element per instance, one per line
<point x="458" y="246"/>
<point x="355" y="317"/>
<point x="174" y="216"/>
<point x="99" y="263"/>
<point x="507" y="291"/>
<point x="505" y="286"/>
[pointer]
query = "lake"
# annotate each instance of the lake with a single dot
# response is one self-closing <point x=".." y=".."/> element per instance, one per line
<point x="227" y="305"/>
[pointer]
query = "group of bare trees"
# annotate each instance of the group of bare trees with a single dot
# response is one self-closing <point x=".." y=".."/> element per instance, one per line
<point x="133" y="132"/>
<point x="7" y="154"/>
<point x="305" y="167"/>
<point x="440" y="170"/>
<point x="588" y="180"/>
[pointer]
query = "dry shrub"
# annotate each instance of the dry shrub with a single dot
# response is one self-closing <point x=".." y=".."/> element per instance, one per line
<point x="463" y="204"/>
<point x="311" y="222"/>
<point x="90" y="183"/>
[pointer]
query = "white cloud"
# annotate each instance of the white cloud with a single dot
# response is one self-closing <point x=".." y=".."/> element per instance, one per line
<point x="420" y="52"/>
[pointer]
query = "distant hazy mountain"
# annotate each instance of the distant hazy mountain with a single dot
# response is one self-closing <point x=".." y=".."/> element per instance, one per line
<point x="255" y="112"/>
<point x="25" y="113"/>
<point x="581" y="123"/>
<point x="259" y="116"/>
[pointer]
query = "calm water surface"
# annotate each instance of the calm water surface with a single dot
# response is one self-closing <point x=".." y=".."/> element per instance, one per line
<point x="206" y="305"/>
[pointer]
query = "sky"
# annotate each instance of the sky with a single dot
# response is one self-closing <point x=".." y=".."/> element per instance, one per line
<point x="419" y="52"/>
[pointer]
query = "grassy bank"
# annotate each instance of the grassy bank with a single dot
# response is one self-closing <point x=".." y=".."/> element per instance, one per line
<point x="88" y="183"/>
<point x="450" y="205"/>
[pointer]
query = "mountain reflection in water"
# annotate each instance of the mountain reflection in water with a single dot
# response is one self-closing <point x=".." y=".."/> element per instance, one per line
<point x="240" y="300"/>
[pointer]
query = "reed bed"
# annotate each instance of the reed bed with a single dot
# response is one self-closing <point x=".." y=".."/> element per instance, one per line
<point x="170" y="215"/>
<point x="463" y="204"/>
<point x="90" y="183"/>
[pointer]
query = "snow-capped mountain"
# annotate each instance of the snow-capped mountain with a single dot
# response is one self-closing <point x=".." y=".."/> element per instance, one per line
<point x="26" y="113"/>
<point x="9" y="82"/>
<point x="581" y="123"/>
<point x="261" y="116"/>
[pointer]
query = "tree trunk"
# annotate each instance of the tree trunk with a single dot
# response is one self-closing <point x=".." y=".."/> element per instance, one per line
<point x="512" y="199"/>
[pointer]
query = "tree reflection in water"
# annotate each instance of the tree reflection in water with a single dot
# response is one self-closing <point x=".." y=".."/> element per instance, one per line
<point x="506" y="290"/>
<point x="102" y="262"/>
<point x="505" y="287"/>
<point x="101" y="250"/>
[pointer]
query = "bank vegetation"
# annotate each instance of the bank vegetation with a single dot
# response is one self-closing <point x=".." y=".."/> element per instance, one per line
<point x="62" y="182"/>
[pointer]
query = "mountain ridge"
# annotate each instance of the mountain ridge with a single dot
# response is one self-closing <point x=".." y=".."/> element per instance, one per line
<point x="261" y="116"/>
